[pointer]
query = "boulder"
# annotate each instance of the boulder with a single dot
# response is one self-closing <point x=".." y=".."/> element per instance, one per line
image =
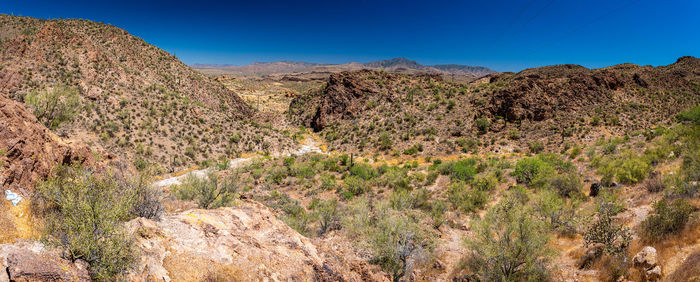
<point x="646" y="258"/>
<point x="32" y="261"/>
<point x="646" y="262"/>
<point x="654" y="274"/>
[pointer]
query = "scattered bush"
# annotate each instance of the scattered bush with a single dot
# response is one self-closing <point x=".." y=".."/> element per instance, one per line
<point x="207" y="191"/>
<point x="54" y="106"/>
<point x="84" y="215"/>
<point x="531" y="170"/>
<point x="567" y="185"/>
<point x="354" y="186"/>
<point x="669" y="217"/>
<point x="483" y="124"/>
<point x="615" y="238"/>
<point x="327" y="213"/>
<point x="535" y="147"/>
<point x="510" y="245"/>
<point x="466" y="199"/>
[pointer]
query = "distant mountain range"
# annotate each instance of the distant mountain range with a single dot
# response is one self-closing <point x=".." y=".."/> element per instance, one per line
<point x="396" y="65"/>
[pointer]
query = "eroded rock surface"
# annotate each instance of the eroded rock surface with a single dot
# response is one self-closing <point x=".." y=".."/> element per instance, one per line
<point x="28" y="150"/>
<point x="244" y="243"/>
<point x="32" y="261"/>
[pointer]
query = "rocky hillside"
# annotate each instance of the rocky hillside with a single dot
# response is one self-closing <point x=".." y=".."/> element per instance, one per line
<point x="136" y="100"/>
<point x="394" y="113"/>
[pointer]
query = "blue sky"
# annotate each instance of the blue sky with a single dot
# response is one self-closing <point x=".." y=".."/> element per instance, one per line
<point x="503" y="35"/>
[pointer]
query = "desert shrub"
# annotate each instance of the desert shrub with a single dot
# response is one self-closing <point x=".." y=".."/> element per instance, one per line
<point x="575" y="151"/>
<point x="354" y="186"/>
<point x="293" y="214"/>
<point x="482" y="124"/>
<point x="466" y="199"/>
<point x="415" y="199"/>
<point x="690" y="115"/>
<point x="327" y="214"/>
<point x="430" y="178"/>
<point x="567" y="185"/>
<point x="530" y="170"/>
<point x="628" y="168"/>
<point x="328" y="181"/>
<point x="55" y="106"/>
<point x="535" y="147"/>
<point x="467" y="145"/>
<point x="147" y="199"/>
<point x="463" y="170"/>
<point x="669" y="217"/>
<point x="396" y="240"/>
<point x="485" y="183"/>
<point x="614" y="237"/>
<point x="437" y="213"/>
<point x="558" y="213"/>
<point x="277" y="174"/>
<point x="363" y="171"/>
<point x="208" y="192"/>
<point x="510" y="245"/>
<point x="84" y="215"/>
<point x="385" y="142"/>
<point x="655" y="184"/>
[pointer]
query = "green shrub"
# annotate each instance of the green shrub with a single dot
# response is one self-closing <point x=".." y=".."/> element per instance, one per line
<point x="615" y="238"/>
<point x="531" y="170"/>
<point x="463" y="170"/>
<point x="535" y="147"/>
<point x="558" y="213"/>
<point x="486" y="183"/>
<point x="466" y="199"/>
<point x="510" y="245"/>
<point x="567" y="185"/>
<point x="669" y="217"/>
<point x="327" y="213"/>
<point x="397" y="241"/>
<point x="628" y="168"/>
<point x="437" y="212"/>
<point x="363" y="171"/>
<point x="483" y="124"/>
<point x="385" y="142"/>
<point x="84" y="215"/>
<point x="207" y="192"/>
<point x="328" y="181"/>
<point x="355" y="186"/>
<point x="55" y="106"/>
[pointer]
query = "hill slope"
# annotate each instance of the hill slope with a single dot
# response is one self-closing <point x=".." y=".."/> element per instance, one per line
<point x="374" y="111"/>
<point x="137" y="100"/>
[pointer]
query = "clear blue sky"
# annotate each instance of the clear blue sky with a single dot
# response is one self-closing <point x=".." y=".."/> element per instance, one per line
<point x="503" y="35"/>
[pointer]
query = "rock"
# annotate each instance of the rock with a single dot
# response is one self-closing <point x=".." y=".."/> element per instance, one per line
<point x="594" y="190"/>
<point x="31" y="261"/>
<point x="646" y="258"/>
<point x="243" y="243"/>
<point x="30" y="149"/>
<point x="654" y="274"/>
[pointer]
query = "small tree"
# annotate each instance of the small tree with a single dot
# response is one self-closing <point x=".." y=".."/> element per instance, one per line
<point x="84" y="215"/>
<point x="207" y="191"/>
<point x="54" y="106"/>
<point x="510" y="245"/>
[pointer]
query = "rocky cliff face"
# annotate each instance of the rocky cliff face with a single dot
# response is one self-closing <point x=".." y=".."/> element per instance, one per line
<point x="28" y="150"/>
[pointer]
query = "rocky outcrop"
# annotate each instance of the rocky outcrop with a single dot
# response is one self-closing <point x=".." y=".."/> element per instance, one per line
<point x="32" y="261"/>
<point x="542" y="93"/>
<point x="28" y="150"/>
<point x="646" y="262"/>
<point x="244" y="243"/>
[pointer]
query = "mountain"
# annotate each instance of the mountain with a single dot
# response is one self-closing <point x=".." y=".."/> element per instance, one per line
<point x="370" y="111"/>
<point x="135" y="100"/>
<point x="396" y="65"/>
